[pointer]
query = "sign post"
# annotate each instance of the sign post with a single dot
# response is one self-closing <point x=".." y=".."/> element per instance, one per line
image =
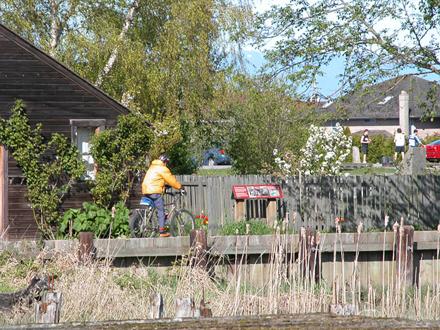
<point x="248" y="192"/>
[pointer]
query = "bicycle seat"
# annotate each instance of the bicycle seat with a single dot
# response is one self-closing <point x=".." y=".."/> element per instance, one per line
<point x="145" y="201"/>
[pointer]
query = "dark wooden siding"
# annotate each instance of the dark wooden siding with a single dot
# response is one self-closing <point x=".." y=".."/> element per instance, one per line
<point x="52" y="95"/>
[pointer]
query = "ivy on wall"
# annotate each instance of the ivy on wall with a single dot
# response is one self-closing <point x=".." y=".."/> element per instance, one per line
<point x="48" y="181"/>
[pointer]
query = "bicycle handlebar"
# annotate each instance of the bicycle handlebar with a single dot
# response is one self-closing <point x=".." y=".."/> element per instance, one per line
<point x="169" y="191"/>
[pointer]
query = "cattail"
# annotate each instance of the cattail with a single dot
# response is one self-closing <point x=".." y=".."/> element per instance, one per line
<point x="395" y="226"/>
<point x="247" y="229"/>
<point x="360" y="227"/>
<point x="337" y="224"/>
<point x="387" y="218"/>
<point x="294" y="218"/>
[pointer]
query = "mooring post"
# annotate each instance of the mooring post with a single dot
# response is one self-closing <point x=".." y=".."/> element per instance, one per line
<point x="185" y="307"/>
<point x="156" y="305"/>
<point x="48" y="310"/>
<point x="85" y="246"/>
<point x="198" y="248"/>
<point x="307" y="252"/>
<point x="404" y="254"/>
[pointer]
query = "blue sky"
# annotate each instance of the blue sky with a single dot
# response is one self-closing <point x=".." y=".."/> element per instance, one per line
<point x="326" y="85"/>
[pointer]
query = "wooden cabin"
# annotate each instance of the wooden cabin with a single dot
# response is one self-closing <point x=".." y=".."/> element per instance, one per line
<point x="63" y="102"/>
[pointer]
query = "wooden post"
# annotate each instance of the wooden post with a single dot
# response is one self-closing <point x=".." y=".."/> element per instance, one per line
<point x="404" y="254"/>
<point x="240" y="210"/>
<point x="48" y="310"/>
<point x="85" y="246"/>
<point x="307" y="252"/>
<point x="271" y="212"/>
<point x="156" y="305"/>
<point x="4" y="194"/>
<point x="199" y="246"/>
<point x="185" y="307"/>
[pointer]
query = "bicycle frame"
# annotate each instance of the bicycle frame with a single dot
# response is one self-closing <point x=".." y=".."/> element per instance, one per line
<point x="143" y="222"/>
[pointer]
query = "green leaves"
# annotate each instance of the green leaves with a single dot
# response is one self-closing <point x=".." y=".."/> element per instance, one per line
<point x="96" y="219"/>
<point x="48" y="181"/>
<point x="120" y="155"/>
<point x="260" y="115"/>
<point x="375" y="39"/>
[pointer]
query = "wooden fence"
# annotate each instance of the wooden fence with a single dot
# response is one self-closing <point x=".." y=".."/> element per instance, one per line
<point x="317" y="201"/>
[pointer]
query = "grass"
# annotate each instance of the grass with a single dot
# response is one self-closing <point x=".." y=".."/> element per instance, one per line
<point x="217" y="171"/>
<point x="361" y="171"/>
<point x="97" y="291"/>
<point x="371" y="171"/>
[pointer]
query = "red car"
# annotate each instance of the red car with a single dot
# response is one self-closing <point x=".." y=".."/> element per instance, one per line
<point x="433" y="151"/>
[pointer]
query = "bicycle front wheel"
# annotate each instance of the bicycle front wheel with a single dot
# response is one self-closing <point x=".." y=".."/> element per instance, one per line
<point x="181" y="223"/>
<point x="142" y="223"/>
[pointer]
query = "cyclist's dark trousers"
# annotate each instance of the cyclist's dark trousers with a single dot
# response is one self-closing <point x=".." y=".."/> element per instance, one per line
<point x="158" y="203"/>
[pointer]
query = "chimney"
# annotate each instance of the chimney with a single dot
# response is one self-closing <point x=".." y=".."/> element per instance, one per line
<point x="404" y="112"/>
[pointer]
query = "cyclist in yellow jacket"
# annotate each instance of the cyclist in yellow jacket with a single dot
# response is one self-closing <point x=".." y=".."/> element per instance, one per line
<point x="154" y="185"/>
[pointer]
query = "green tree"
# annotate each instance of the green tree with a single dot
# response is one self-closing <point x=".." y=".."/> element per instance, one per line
<point x="48" y="182"/>
<point x="163" y="58"/>
<point x="120" y="155"/>
<point x="375" y="39"/>
<point x="260" y="115"/>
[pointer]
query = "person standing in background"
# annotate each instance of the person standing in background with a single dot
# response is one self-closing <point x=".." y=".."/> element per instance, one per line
<point x="365" y="141"/>
<point x="399" y="142"/>
<point x="414" y="140"/>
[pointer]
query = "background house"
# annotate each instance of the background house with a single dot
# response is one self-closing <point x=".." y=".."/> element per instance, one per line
<point x="63" y="102"/>
<point x="377" y="107"/>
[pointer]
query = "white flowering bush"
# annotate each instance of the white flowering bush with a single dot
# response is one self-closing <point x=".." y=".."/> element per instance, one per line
<point x="286" y="164"/>
<point x="325" y="151"/>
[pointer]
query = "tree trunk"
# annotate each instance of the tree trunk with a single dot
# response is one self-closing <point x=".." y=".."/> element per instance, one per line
<point x="111" y="61"/>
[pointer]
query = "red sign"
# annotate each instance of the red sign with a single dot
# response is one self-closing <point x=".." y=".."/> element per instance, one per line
<point x="257" y="191"/>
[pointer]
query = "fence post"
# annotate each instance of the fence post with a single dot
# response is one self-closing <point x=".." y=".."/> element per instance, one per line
<point x="271" y="212"/>
<point x="240" y="210"/>
<point x="404" y="254"/>
<point x="85" y="246"/>
<point x="199" y="245"/>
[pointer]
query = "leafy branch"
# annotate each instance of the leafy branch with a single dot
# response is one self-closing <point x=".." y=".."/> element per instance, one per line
<point x="48" y="181"/>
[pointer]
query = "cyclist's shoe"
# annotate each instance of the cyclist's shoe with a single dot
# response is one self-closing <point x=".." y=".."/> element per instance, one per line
<point x="164" y="234"/>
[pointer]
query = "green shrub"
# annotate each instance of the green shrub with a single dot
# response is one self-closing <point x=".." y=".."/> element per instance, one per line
<point x="94" y="219"/>
<point x="431" y="138"/>
<point x="380" y="146"/>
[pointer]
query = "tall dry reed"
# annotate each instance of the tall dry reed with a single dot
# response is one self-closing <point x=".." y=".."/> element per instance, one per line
<point x="96" y="291"/>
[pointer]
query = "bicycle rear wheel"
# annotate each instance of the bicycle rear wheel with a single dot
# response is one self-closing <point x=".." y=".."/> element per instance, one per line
<point x="181" y="223"/>
<point x="142" y="223"/>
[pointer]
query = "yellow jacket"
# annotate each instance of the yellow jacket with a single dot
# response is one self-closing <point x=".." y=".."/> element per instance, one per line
<point x="157" y="175"/>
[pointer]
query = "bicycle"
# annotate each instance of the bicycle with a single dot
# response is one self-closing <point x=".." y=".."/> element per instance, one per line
<point x="144" y="223"/>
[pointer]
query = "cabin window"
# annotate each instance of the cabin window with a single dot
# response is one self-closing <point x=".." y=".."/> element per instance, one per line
<point x="82" y="132"/>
